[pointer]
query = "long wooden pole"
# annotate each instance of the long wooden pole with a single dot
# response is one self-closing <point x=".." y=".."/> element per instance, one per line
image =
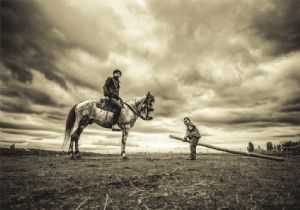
<point x="233" y="151"/>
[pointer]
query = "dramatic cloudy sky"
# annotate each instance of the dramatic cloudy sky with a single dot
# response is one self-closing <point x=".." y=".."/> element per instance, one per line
<point x="231" y="66"/>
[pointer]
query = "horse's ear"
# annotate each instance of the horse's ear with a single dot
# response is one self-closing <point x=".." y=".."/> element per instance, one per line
<point x="148" y="94"/>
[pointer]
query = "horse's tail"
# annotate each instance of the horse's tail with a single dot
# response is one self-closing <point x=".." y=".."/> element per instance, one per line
<point x="69" y="125"/>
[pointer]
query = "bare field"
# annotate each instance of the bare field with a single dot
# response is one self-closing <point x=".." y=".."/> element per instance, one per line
<point x="153" y="181"/>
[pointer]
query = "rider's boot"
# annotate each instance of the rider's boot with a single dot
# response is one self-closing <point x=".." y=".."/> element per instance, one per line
<point x="115" y="126"/>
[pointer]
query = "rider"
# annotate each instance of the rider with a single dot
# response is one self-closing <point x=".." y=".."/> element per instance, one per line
<point x="111" y="90"/>
<point x="193" y="135"/>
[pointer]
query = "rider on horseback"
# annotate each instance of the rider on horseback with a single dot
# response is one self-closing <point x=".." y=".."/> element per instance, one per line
<point x="111" y="90"/>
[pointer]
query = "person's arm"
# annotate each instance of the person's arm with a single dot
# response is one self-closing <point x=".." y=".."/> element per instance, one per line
<point x="186" y="137"/>
<point x="186" y="134"/>
<point x="189" y="129"/>
<point x="106" y="90"/>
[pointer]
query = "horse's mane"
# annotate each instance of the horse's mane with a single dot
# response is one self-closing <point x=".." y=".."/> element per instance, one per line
<point x="135" y="99"/>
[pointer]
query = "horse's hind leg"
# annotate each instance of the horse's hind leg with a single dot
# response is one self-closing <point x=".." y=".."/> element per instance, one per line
<point x="71" y="153"/>
<point x="74" y="136"/>
<point x="82" y="124"/>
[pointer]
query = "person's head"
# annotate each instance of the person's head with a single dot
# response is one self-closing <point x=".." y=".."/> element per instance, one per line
<point x="117" y="73"/>
<point x="186" y="120"/>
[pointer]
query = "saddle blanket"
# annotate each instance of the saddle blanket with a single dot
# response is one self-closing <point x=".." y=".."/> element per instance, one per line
<point x="106" y="105"/>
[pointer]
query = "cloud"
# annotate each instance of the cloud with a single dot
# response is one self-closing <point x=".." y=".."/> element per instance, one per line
<point x="27" y="127"/>
<point x="287" y="136"/>
<point x="292" y="105"/>
<point x="30" y="122"/>
<point x="245" y="118"/>
<point x="279" y="24"/>
<point x="32" y="133"/>
<point x="93" y="28"/>
<point x="15" y="141"/>
<point x="26" y="43"/>
<point x="232" y="66"/>
<point x="37" y="97"/>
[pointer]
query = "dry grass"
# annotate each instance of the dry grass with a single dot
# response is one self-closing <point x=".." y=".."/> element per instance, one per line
<point x="149" y="182"/>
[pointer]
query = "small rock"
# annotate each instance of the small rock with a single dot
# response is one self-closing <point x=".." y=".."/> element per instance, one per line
<point x="21" y="198"/>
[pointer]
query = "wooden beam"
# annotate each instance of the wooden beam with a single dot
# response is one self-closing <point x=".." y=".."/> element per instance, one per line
<point x="233" y="151"/>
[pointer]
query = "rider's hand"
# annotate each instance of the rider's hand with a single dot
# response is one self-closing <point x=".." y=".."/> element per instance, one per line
<point x="106" y="97"/>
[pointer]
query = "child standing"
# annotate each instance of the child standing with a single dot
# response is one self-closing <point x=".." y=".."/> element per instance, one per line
<point x="192" y="136"/>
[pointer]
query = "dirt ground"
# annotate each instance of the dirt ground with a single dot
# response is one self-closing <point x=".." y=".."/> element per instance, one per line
<point x="149" y="181"/>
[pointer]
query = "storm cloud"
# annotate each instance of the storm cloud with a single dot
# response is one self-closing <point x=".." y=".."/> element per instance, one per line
<point x="280" y="24"/>
<point x="231" y="66"/>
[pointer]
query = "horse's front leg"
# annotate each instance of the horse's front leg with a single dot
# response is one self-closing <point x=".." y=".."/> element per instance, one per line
<point x="124" y="140"/>
<point x="77" y="154"/>
<point x="71" y="147"/>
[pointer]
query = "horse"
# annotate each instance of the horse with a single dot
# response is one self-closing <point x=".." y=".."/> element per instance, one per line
<point x="87" y="112"/>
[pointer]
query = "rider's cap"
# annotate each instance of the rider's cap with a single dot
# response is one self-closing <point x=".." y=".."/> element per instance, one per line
<point x="117" y="70"/>
<point x="186" y="118"/>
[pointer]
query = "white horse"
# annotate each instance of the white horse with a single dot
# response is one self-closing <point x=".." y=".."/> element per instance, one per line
<point x="87" y="112"/>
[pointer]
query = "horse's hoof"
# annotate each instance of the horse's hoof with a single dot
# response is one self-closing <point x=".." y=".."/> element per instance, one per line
<point x="125" y="158"/>
<point x="72" y="157"/>
<point x="78" y="157"/>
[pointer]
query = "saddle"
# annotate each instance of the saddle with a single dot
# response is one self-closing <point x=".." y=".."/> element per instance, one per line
<point x="106" y="105"/>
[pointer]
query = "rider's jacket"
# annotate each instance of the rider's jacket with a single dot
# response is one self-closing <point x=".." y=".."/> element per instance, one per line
<point x="192" y="131"/>
<point x="111" y="87"/>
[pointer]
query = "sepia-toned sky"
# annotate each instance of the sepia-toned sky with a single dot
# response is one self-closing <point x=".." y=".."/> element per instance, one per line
<point x="232" y="66"/>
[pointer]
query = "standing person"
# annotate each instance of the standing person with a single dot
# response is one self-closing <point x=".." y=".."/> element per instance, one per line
<point x="192" y="136"/>
<point x="111" y="91"/>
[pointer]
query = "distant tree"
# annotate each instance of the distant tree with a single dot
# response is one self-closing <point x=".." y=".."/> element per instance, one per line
<point x="279" y="147"/>
<point x="250" y="147"/>
<point x="12" y="146"/>
<point x="290" y="145"/>
<point x="269" y="146"/>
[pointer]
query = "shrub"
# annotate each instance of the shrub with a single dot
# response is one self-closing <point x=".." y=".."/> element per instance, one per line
<point x="250" y="147"/>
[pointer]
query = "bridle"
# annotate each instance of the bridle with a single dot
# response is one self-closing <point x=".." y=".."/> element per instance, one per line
<point x="145" y="108"/>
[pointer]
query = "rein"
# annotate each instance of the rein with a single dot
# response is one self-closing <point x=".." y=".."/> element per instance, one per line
<point x="136" y="114"/>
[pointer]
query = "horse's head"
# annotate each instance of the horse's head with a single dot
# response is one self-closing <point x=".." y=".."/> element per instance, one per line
<point x="147" y="106"/>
